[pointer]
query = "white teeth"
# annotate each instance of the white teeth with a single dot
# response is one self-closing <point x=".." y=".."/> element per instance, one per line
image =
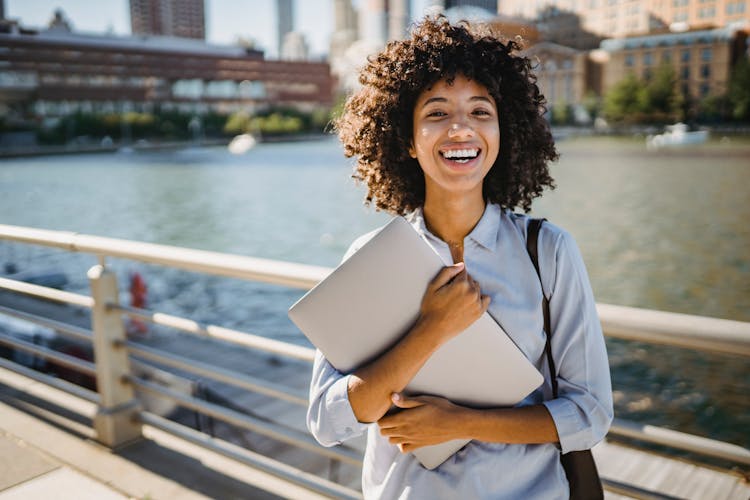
<point x="461" y="153"/>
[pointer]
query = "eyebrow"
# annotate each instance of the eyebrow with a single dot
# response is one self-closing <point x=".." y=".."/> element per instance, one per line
<point x="443" y="99"/>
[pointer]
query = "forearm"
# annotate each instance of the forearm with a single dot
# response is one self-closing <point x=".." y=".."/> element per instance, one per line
<point x="370" y="387"/>
<point x="524" y="425"/>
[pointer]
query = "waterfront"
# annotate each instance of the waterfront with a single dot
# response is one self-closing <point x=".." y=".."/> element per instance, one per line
<point x="664" y="231"/>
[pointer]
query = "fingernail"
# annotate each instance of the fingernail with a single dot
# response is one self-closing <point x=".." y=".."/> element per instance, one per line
<point x="396" y="396"/>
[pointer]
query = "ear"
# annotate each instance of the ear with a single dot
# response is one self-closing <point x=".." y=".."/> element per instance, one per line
<point x="412" y="151"/>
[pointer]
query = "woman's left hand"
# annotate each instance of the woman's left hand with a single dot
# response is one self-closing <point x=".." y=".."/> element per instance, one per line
<point x="423" y="421"/>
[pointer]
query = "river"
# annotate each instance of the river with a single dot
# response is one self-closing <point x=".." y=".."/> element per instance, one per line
<point x="667" y="230"/>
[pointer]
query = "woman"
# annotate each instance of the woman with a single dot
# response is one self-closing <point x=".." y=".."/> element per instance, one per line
<point x="448" y="131"/>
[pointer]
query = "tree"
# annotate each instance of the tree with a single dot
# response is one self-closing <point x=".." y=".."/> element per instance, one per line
<point x="663" y="98"/>
<point x="739" y="90"/>
<point x="626" y="101"/>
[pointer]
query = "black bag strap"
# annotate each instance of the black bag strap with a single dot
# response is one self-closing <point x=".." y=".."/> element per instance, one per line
<point x="532" y="238"/>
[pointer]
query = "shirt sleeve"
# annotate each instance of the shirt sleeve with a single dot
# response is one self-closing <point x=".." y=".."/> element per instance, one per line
<point x="583" y="410"/>
<point x="330" y="417"/>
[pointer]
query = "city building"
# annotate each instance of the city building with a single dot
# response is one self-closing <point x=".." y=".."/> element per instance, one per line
<point x="564" y="28"/>
<point x="489" y="5"/>
<point x="54" y="73"/>
<point x="284" y="22"/>
<point x="702" y="59"/>
<point x="609" y="18"/>
<point x="295" y="47"/>
<point x="560" y="72"/>
<point x="179" y="18"/>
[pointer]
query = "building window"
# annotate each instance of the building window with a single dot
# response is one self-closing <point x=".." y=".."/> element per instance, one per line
<point x="685" y="55"/>
<point x="706" y="55"/>
<point x="706" y="71"/>
<point x="707" y="12"/>
<point x="680" y="17"/>
<point x="666" y="56"/>
<point x="686" y="73"/>
<point x="704" y="89"/>
<point x="647" y="60"/>
<point x="629" y="60"/>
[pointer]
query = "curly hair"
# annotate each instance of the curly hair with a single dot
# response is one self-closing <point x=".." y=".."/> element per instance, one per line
<point x="376" y="126"/>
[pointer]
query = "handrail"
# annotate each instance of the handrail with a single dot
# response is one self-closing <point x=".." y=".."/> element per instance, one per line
<point x="275" y="431"/>
<point x="681" y="441"/>
<point x="253" y="384"/>
<point x="244" y="339"/>
<point x="46" y="293"/>
<point x="221" y="264"/>
<point x="67" y="330"/>
<point x="62" y="359"/>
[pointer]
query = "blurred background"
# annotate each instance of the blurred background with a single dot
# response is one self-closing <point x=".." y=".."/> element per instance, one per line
<point x="204" y="124"/>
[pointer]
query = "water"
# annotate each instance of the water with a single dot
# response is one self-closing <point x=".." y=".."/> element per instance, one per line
<point x="666" y="230"/>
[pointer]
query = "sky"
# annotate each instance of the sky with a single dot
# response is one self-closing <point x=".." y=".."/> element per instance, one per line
<point x="226" y="20"/>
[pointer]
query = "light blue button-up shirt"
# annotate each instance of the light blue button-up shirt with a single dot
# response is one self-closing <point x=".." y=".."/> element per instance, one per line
<point x="495" y="255"/>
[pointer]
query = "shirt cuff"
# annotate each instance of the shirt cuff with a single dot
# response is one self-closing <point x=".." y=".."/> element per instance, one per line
<point x="567" y="418"/>
<point x="337" y="402"/>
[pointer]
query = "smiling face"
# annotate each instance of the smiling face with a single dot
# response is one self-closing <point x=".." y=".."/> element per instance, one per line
<point x="456" y="137"/>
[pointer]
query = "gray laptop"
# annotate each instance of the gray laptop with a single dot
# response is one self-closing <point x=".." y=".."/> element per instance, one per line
<point x="372" y="299"/>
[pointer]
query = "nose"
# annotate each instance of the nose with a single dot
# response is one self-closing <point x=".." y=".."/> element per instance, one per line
<point x="460" y="129"/>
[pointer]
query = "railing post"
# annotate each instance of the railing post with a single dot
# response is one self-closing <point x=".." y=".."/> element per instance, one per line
<point x="116" y="419"/>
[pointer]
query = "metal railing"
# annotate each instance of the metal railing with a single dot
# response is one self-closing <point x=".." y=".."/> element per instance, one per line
<point x="708" y="334"/>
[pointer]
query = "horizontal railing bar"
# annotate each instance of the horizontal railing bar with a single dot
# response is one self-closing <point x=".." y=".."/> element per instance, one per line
<point x="261" y="462"/>
<point x="253" y="384"/>
<point x="681" y="441"/>
<point x="633" y="491"/>
<point x="65" y="360"/>
<point x="48" y="293"/>
<point x="275" y="431"/>
<point x="57" y="383"/>
<point x="675" y="329"/>
<point x="66" y="329"/>
<point x="234" y="336"/>
<point x="221" y="264"/>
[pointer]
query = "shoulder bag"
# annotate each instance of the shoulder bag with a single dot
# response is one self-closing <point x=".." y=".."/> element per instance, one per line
<point x="579" y="466"/>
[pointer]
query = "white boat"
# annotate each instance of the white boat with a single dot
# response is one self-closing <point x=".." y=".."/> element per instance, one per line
<point x="241" y="144"/>
<point x="676" y="135"/>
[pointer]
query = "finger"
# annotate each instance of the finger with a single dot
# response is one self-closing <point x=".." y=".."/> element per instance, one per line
<point x="445" y="275"/>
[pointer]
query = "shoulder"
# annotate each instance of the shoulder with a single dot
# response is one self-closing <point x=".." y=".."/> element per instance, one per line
<point x="360" y="242"/>
<point x="557" y="249"/>
<point x="551" y="236"/>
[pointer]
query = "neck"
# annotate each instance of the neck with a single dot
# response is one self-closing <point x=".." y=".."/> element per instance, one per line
<point x="452" y="220"/>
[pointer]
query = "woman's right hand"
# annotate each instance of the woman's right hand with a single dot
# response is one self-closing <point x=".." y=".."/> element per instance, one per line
<point x="452" y="302"/>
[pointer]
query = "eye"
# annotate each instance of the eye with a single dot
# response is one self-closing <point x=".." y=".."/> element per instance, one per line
<point x="482" y="112"/>
<point x="436" y="114"/>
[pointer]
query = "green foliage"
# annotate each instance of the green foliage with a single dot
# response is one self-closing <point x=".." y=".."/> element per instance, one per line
<point x="237" y="123"/>
<point x="174" y="125"/>
<point x="739" y="90"/>
<point x="562" y="114"/>
<point x="625" y="101"/>
<point x="663" y="99"/>
<point x="657" y="100"/>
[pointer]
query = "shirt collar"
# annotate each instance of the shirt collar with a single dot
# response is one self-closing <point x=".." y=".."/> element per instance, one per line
<point x="484" y="233"/>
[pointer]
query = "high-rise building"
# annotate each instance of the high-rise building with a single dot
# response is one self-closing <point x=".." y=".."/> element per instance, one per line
<point x="284" y="21"/>
<point x="179" y="18"/>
